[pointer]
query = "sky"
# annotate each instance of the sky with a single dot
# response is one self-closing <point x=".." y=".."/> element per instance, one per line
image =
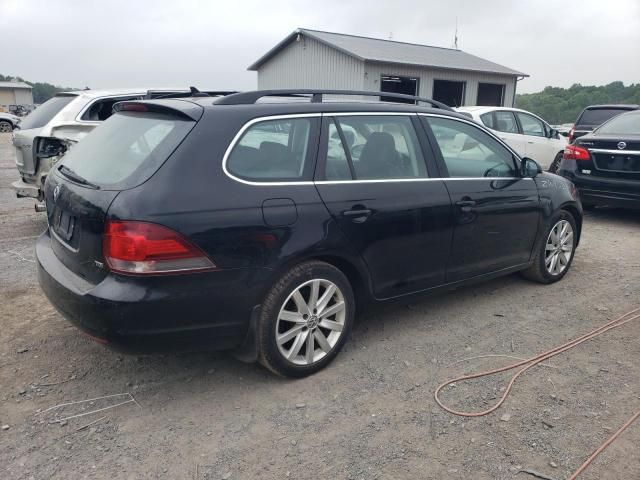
<point x="210" y="44"/>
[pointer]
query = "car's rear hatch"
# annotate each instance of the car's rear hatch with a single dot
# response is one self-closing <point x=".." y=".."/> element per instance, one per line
<point x="615" y="157"/>
<point x="120" y="154"/>
<point x="24" y="138"/>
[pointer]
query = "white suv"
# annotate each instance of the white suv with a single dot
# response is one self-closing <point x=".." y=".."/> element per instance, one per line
<point x="529" y="135"/>
<point x="55" y="126"/>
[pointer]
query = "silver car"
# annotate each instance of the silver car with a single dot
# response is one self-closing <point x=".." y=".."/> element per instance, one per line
<point x="8" y="122"/>
<point x="54" y="127"/>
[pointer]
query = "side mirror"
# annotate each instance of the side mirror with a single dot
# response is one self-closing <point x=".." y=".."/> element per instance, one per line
<point x="530" y="168"/>
<point x="553" y="133"/>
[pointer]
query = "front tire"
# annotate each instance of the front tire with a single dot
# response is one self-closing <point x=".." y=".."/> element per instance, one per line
<point x="305" y="319"/>
<point x="555" y="253"/>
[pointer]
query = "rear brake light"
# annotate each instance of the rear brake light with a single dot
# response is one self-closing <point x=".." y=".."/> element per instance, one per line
<point x="148" y="248"/>
<point x="573" y="152"/>
<point x="132" y="107"/>
<point x="572" y="132"/>
<point x="47" y="147"/>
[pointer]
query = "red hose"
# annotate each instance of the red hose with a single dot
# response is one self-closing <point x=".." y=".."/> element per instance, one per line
<point x="530" y="362"/>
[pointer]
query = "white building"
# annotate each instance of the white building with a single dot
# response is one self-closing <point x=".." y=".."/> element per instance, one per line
<point x="15" y="93"/>
<point x="323" y="60"/>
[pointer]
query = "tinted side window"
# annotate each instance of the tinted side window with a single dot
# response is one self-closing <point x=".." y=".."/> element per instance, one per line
<point x="273" y="150"/>
<point x="506" y="122"/>
<point x="337" y="164"/>
<point x="531" y="125"/>
<point x="382" y="147"/>
<point x="487" y="119"/>
<point x="469" y="152"/>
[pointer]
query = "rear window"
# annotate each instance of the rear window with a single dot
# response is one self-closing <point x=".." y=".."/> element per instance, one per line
<point x="596" y="116"/>
<point x="629" y="123"/>
<point x="45" y="112"/>
<point x="126" y="149"/>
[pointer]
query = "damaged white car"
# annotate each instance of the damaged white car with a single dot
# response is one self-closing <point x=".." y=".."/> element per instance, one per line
<point x="52" y="128"/>
<point x="56" y="125"/>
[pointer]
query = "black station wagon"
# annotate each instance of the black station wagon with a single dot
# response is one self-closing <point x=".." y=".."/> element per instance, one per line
<point x="257" y="221"/>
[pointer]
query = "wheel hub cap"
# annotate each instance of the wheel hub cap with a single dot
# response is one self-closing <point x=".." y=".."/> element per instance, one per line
<point x="559" y="248"/>
<point x="310" y="322"/>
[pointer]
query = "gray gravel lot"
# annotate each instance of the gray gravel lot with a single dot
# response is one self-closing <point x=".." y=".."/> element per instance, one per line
<point x="369" y="415"/>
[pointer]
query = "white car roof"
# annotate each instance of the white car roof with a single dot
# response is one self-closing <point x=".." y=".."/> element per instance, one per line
<point x="481" y="110"/>
<point x="91" y="94"/>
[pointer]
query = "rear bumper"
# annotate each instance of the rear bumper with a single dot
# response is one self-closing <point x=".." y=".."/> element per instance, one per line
<point x="24" y="189"/>
<point x="605" y="191"/>
<point x="204" y="311"/>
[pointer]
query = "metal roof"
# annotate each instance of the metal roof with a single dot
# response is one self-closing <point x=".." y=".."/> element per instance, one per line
<point x="390" y="51"/>
<point x="15" y="85"/>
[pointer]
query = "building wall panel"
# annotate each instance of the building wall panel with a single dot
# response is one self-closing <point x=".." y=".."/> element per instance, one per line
<point x="311" y="64"/>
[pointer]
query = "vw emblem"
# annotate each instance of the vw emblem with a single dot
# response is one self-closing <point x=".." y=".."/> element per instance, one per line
<point x="622" y="145"/>
<point x="56" y="192"/>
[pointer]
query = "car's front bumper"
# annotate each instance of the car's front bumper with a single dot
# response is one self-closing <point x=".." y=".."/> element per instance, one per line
<point x="150" y="314"/>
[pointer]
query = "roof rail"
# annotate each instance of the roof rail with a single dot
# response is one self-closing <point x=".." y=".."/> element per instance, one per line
<point x="191" y="92"/>
<point x="246" y="98"/>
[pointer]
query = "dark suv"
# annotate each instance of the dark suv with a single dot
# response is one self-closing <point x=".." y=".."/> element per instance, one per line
<point x="235" y="223"/>
<point x="595" y="115"/>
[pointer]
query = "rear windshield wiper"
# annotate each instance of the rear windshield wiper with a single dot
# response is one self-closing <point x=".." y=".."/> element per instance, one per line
<point x="71" y="175"/>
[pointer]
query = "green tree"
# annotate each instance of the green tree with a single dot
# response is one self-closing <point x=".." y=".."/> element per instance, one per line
<point x="41" y="91"/>
<point x="563" y="105"/>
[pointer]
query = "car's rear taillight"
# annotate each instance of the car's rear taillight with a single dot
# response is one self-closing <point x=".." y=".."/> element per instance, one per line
<point x="573" y="152"/>
<point x="142" y="248"/>
<point x="47" y="147"/>
<point x="572" y="132"/>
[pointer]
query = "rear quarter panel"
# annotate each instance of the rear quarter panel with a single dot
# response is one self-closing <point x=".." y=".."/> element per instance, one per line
<point x="558" y="193"/>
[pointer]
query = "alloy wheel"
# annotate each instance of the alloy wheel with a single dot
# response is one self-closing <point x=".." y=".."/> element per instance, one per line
<point x="310" y="322"/>
<point x="5" y="127"/>
<point x="559" y="248"/>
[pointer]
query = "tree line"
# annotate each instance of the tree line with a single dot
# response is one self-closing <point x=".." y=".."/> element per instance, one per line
<point x="42" y="91"/>
<point x="563" y="105"/>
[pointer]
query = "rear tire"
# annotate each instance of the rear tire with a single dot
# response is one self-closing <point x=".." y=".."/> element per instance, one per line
<point x="5" y="127"/>
<point x="555" y="165"/>
<point x="305" y="319"/>
<point x="550" y="263"/>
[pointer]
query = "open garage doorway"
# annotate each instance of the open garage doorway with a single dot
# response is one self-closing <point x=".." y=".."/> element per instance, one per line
<point x="449" y="92"/>
<point x="490" y="95"/>
<point x="397" y="84"/>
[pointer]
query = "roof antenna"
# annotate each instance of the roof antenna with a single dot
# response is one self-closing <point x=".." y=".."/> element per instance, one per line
<point x="197" y="93"/>
<point x="455" y="36"/>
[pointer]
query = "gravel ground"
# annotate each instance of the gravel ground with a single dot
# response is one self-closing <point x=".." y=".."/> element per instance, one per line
<point x="370" y="415"/>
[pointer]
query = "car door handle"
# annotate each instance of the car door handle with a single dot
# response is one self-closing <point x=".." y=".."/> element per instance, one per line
<point x="466" y="203"/>
<point x="361" y="212"/>
<point x="358" y="215"/>
<point x="530" y="142"/>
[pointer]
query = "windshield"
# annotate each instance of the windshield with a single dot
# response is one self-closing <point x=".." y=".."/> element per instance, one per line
<point x="597" y="116"/>
<point x="126" y="149"/>
<point x="45" y="112"/>
<point x="626" y="124"/>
